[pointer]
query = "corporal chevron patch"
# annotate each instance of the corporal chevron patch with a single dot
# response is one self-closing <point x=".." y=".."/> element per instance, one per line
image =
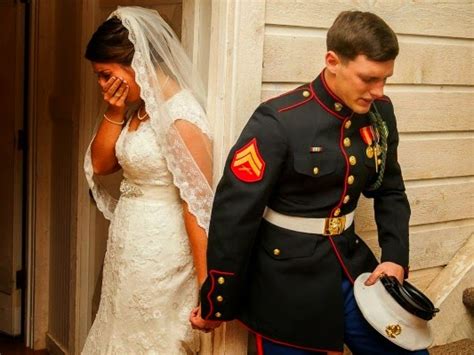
<point x="247" y="164"/>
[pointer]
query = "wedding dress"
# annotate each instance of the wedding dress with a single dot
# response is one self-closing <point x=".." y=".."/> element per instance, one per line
<point x="149" y="283"/>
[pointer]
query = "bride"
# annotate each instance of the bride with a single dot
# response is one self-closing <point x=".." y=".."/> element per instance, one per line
<point x="156" y="131"/>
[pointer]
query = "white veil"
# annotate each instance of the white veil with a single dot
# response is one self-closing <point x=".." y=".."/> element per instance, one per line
<point x="184" y="138"/>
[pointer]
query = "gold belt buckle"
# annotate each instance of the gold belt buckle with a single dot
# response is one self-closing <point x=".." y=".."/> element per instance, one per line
<point x="334" y="226"/>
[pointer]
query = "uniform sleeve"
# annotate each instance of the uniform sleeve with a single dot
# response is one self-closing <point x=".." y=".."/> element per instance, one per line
<point x="251" y="170"/>
<point x="392" y="210"/>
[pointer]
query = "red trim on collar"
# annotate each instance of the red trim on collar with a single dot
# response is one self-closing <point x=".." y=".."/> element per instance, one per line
<point x="283" y="343"/>
<point x="326" y="86"/>
<point x="318" y="100"/>
<point x="340" y="260"/>
<point x="283" y="109"/>
<point x="213" y="284"/>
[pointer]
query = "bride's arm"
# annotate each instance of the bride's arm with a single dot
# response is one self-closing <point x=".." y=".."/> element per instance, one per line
<point x="103" y="156"/>
<point x="198" y="240"/>
<point x="200" y="148"/>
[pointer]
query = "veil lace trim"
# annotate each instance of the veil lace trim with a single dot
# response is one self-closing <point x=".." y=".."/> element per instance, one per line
<point x="150" y="34"/>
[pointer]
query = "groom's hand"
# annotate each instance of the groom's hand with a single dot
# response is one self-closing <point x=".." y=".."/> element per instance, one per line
<point x="203" y="325"/>
<point x="386" y="268"/>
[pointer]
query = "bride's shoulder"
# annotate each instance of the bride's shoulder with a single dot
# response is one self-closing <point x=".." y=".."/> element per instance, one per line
<point x="184" y="99"/>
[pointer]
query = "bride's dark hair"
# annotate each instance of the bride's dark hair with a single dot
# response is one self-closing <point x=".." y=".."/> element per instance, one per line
<point x="110" y="44"/>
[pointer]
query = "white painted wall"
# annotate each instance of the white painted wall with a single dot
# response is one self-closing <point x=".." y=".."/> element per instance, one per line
<point x="263" y="48"/>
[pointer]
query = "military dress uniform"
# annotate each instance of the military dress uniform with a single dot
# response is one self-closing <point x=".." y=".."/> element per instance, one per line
<point x="303" y="159"/>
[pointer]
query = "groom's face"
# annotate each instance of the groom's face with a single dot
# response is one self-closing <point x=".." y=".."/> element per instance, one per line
<point x="360" y="81"/>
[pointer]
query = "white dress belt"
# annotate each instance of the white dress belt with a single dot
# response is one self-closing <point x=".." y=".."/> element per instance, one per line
<point x="324" y="226"/>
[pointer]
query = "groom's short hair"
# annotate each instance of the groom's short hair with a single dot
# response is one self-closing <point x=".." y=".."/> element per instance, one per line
<point x="356" y="32"/>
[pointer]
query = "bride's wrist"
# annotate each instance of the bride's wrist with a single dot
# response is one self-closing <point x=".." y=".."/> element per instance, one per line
<point x="114" y="119"/>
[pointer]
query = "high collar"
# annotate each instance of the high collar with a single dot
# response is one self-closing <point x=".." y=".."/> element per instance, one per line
<point x="328" y="99"/>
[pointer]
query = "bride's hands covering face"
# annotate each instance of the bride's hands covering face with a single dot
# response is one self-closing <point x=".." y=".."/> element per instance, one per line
<point x="118" y="85"/>
<point x="115" y="92"/>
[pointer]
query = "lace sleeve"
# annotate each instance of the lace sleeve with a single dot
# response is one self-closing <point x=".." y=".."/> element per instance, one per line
<point x="104" y="201"/>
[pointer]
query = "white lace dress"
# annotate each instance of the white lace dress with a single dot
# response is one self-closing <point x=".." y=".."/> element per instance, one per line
<point x="149" y="284"/>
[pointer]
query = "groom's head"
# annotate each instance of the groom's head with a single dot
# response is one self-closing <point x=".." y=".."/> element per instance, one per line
<point x="361" y="52"/>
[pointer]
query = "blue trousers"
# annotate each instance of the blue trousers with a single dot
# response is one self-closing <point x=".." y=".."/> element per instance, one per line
<point x="359" y="336"/>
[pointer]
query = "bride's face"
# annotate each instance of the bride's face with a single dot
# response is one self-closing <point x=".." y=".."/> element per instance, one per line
<point x="105" y="71"/>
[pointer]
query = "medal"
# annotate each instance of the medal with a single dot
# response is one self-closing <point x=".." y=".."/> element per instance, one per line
<point x="369" y="152"/>
<point x="378" y="150"/>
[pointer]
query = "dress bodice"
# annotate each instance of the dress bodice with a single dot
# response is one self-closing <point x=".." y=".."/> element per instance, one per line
<point x="138" y="152"/>
<point x="140" y="156"/>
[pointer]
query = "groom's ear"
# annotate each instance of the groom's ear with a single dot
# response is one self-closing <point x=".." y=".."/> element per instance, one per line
<point x="333" y="62"/>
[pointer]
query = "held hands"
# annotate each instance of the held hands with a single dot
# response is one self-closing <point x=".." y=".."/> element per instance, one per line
<point x="203" y="325"/>
<point x="388" y="268"/>
<point x="115" y="92"/>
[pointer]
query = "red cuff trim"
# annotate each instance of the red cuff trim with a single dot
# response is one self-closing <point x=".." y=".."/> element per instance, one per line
<point x="258" y="340"/>
<point x="212" y="274"/>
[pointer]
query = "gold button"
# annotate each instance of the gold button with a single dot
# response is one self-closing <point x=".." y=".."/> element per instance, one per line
<point x="315" y="170"/>
<point x="306" y="93"/>
<point x="350" y="179"/>
<point x="220" y="280"/>
<point x="357" y="241"/>
<point x="379" y="161"/>
<point x="337" y="212"/>
<point x="348" y="124"/>
<point x="347" y="142"/>
<point x="337" y="106"/>
<point x="218" y="314"/>
<point x="219" y="298"/>
<point x="352" y="160"/>
<point x="346" y="199"/>
<point x="276" y="252"/>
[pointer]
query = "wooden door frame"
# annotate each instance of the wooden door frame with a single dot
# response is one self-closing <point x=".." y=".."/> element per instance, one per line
<point x="39" y="176"/>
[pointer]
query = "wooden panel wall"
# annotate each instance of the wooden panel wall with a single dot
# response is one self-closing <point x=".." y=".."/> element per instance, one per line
<point x="432" y="90"/>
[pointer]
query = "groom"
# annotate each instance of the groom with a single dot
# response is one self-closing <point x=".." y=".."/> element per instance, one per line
<point x="282" y="252"/>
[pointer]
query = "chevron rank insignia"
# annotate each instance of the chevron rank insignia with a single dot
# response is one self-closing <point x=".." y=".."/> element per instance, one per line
<point x="247" y="164"/>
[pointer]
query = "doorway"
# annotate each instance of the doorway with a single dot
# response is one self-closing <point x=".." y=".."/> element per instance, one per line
<point x="13" y="43"/>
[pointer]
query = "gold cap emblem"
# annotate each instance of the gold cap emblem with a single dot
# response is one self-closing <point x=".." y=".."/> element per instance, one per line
<point x="393" y="330"/>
